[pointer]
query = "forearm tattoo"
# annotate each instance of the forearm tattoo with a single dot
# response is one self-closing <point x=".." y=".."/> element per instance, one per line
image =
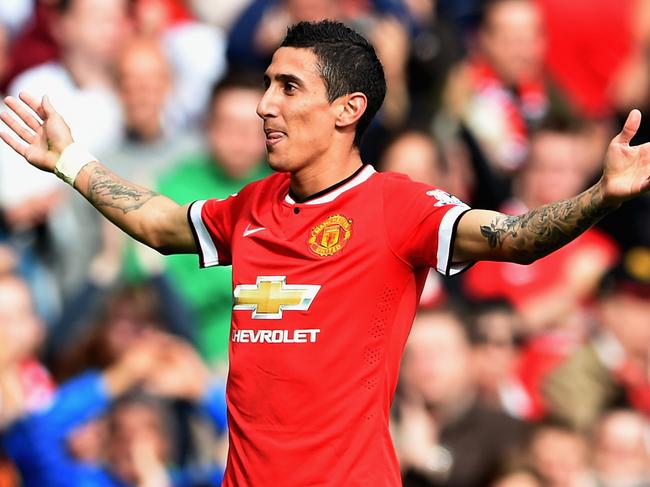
<point x="106" y="189"/>
<point x="547" y="228"/>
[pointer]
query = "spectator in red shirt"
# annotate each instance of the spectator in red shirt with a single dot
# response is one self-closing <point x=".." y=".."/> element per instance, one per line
<point x="551" y="294"/>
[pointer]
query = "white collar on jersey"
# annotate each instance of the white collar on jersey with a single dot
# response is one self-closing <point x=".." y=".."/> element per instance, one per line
<point x="363" y="175"/>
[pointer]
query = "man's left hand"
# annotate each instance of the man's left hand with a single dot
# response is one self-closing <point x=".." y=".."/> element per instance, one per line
<point x="627" y="168"/>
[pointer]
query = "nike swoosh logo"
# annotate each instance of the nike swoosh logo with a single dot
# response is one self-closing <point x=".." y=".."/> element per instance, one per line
<point x="250" y="231"/>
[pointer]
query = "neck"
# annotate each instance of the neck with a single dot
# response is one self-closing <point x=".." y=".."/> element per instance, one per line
<point x="87" y="73"/>
<point x="322" y="174"/>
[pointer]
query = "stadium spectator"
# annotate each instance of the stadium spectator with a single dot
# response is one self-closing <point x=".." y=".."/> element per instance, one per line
<point x="495" y="330"/>
<point x="105" y="330"/>
<point x="436" y="45"/>
<point x="444" y="436"/>
<point x="89" y="34"/>
<point x="196" y="52"/>
<point x="25" y="385"/>
<point x="621" y="450"/>
<point x="501" y="93"/>
<point x="139" y="439"/>
<point x="610" y="370"/>
<point x="416" y="154"/>
<point x="560" y="455"/>
<point x="37" y="421"/>
<point x="551" y="294"/>
<point x="154" y="143"/>
<point x="234" y="157"/>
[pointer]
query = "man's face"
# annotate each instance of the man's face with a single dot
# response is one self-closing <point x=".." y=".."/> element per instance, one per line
<point x="144" y="84"/>
<point x="94" y="29"/>
<point x="556" y="169"/>
<point x="135" y="429"/>
<point x="233" y="131"/>
<point x="513" y="40"/>
<point x="628" y="317"/>
<point x="19" y="325"/>
<point x="437" y="362"/>
<point x="299" y="121"/>
<point x="414" y="155"/>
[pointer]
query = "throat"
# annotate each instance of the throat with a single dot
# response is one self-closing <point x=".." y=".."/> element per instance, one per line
<point x="304" y="196"/>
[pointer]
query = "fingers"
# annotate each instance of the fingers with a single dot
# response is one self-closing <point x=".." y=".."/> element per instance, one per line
<point x="630" y="128"/>
<point x="32" y="103"/>
<point x="13" y="143"/>
<point x="19" y="129"/>
<point x="23" y="113"/>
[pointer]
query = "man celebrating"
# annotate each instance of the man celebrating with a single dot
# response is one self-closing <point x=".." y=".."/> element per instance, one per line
<point x="328" y="256"/>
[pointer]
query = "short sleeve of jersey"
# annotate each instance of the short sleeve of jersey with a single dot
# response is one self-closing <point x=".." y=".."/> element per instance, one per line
<point x="212" y="222"/>
<point x="421" y="222"/>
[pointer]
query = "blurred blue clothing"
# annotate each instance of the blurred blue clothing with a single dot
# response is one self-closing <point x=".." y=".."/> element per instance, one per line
<point x="37" y="442"/>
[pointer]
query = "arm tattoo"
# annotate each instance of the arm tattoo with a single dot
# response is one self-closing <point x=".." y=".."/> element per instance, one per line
<point x="547" y="228"/>
<point x="105" y="189"/>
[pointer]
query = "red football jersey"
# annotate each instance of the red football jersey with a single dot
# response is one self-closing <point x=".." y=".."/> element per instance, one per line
<point x="325" y="292"/>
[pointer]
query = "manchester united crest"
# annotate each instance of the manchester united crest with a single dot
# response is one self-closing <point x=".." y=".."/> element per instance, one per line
<point x="330" y="236"/>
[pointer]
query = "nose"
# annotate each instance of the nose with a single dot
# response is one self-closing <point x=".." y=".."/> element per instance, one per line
<point x="267" y="106"/>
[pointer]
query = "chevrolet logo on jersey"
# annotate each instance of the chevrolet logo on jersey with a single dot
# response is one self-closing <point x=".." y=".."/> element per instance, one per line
<point x="271" y="295"/>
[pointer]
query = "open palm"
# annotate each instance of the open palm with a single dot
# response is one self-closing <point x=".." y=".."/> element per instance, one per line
<point x="44" y="136"/>
<point x="627" y="168"/>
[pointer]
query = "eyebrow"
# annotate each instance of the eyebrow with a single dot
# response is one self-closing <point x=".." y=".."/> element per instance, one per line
<point x="284" y="78"/>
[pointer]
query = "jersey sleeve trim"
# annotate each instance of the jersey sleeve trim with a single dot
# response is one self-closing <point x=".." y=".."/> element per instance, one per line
<point x="208" y="254"/>
<point x="446" y="237"/>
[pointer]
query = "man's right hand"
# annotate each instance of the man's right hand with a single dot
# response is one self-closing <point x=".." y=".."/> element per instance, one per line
<point x="45" y="136"/>
<point x="150" y="218"/>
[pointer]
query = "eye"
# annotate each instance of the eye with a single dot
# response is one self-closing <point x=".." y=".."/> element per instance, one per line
<point x="290" y="88"/>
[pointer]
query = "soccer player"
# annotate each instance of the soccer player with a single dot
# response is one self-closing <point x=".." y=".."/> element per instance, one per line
<point x="328" y="257"/>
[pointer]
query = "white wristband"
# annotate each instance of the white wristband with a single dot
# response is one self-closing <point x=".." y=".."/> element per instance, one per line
<point x="72" y="160"/>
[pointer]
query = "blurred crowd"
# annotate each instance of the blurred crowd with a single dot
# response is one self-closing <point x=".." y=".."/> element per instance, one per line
<point x="113" y="359"/>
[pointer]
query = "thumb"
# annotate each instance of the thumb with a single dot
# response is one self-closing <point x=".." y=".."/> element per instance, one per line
<point x="630" y="128"/>
<point x="47" y="107"/>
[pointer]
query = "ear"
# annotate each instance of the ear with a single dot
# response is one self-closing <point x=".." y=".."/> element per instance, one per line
<point x="351" y="107"/>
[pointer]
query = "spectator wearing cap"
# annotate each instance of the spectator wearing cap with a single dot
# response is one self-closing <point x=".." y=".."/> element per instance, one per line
<point x="611" y="369"/>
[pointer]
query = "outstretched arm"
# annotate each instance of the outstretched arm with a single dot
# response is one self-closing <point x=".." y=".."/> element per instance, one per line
<point x="147" y="216"/>
<point x="489" y="235"/>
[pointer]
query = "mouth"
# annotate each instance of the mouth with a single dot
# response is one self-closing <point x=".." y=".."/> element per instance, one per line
<point x="273" y="136"/>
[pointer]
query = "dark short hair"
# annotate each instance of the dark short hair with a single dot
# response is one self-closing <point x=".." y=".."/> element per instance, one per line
<point x="63" y="6"/>
<point x="346" y="61"/>
<point x="237" y="79"/>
